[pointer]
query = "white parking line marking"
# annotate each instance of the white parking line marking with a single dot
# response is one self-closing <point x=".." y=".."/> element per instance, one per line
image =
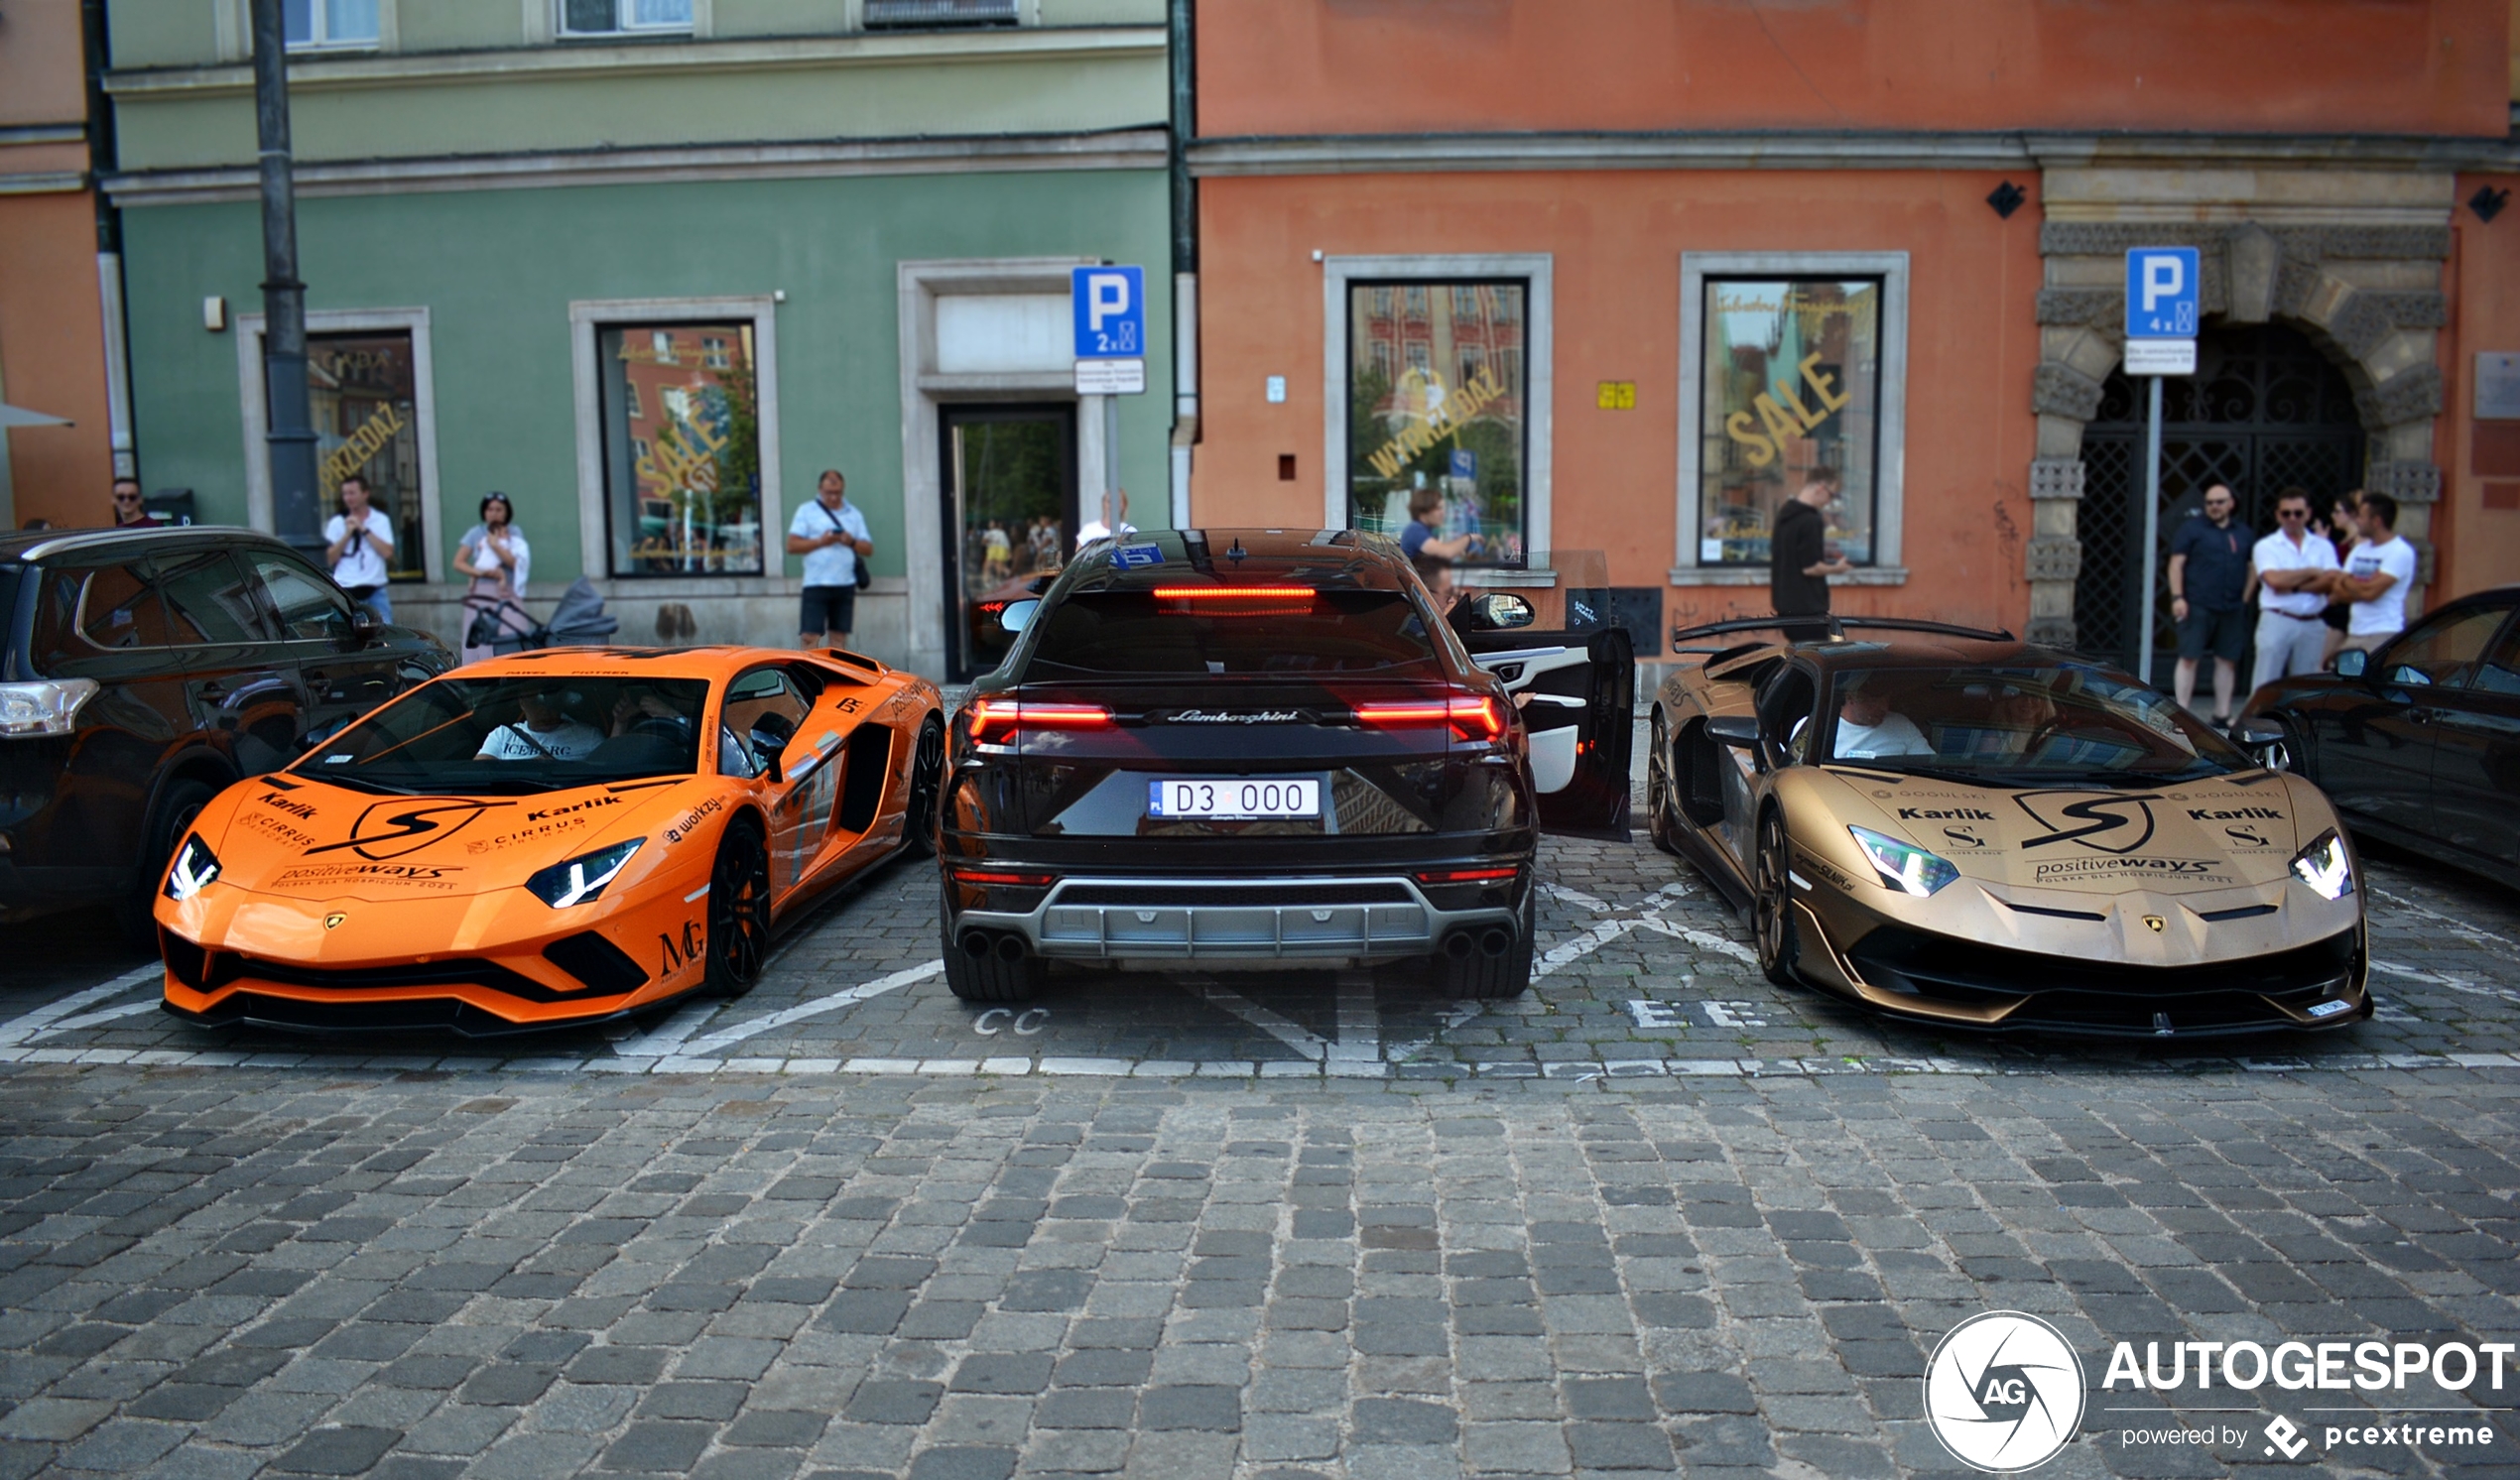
<point x="1703" y="940"/>
<point x="1575" y="897"/>
<point x="20" y="1029"/>
<point x="101" y="1015"/>
<point x="1287" y="1032"/>
<point x="667" y="1036"/>
<point x="1359" y="1045"/>
<point x="2463" y="928"/>
<point x="1594" y="939"/>
<point x="815" y="1009"/>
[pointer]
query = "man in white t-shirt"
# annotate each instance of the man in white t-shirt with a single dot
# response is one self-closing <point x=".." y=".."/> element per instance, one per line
<point x="2291" y="566"/>
<point x="359" y="542"/>
<point x="544" y="733"/>
<point x="2376" y="576"/>
<point x="1866" y="729"/>
<point x="831" y="533"/>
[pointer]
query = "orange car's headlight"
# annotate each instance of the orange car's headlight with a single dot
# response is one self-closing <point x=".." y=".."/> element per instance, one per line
<point x="195" y="866"/>
<point x="583" y="878"/>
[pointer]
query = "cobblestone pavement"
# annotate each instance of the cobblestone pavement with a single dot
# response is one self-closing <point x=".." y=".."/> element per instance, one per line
<point x="1657" y="1216"/>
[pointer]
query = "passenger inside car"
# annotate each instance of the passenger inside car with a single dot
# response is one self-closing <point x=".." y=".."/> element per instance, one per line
<point x="543" y="731"/>
<point x="1867" y="727"/>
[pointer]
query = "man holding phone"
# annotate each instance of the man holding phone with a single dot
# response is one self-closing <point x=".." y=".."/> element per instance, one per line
<point x="832" y="534"/>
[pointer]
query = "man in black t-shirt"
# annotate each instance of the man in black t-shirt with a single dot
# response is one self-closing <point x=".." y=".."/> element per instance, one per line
<point x="2208" y="598"/>
<point x="1798" y="561"/>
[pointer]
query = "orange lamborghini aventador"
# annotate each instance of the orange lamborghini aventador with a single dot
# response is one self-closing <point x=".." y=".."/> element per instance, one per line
<point x="557" y="837"/>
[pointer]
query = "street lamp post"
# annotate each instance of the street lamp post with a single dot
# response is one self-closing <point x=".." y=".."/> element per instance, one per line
<point x="292" y="438"/>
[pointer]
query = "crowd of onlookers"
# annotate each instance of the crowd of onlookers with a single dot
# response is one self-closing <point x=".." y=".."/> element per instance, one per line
<point x="2319" y="584"/>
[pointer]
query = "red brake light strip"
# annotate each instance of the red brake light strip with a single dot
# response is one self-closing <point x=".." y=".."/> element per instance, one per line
<point x="1475" y="716"/>
<point x="995" y="718"/>
<point x="1234" y="593"/>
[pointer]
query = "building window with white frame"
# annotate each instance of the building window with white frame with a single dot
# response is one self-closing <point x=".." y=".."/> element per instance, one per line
<point x="1454" y="427"/>
<point x="624" y="17"/>
<point x="685" y="497"/>
<point x="1789" y="386"/>
<point x="329" y="24"/>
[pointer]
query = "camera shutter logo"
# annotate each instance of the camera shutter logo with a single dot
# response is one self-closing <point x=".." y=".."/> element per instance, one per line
<point x="2004" y="1392"/>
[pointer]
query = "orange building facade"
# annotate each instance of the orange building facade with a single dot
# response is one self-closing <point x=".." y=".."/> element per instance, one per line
<point x="1735" y="245"/>
<point x="52" y="298"/>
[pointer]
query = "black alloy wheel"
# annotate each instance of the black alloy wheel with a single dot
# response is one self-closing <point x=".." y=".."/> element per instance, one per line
<point x="927" y="779"/>
<point x="1772" y="903"/>
<point x="177" y="809"/>
<point x="739" y="911"/>
<point x="1658" y="790"/>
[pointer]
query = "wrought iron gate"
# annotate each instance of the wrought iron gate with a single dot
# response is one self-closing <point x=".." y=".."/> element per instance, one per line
<point x="2264" y="412"/>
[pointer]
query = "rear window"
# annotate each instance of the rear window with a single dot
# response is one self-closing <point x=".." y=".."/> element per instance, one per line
<point x="1232" y="630"/>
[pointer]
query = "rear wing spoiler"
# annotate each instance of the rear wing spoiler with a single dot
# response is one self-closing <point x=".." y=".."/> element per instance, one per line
<point x="1837" y="629"/>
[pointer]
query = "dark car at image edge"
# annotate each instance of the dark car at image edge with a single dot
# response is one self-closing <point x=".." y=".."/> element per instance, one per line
<point x="142" y="671"/>
<point x="1240" y="749"/>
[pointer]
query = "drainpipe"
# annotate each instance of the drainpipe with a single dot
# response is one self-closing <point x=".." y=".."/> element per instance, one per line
<point x="96" y="42"/>
<point x="1180" y="49"/>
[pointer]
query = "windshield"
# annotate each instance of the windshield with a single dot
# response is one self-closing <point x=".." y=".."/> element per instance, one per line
<point x="2032" y="724"/>
<point x="1272" y="630"/>
<point x="518" y="734"/>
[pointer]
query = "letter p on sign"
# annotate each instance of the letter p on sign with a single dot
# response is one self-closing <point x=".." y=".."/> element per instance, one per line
<point x="2161" y="292"/>
<point x="1111" y="311"/>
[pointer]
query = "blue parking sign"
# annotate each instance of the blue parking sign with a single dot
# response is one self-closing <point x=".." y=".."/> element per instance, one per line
<point x="1110" y="311"/>
<point x="2162" y="292"/>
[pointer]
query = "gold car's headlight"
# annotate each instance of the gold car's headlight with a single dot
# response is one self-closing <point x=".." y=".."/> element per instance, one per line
<point x="2325" y="866"/>
<point x="1904" y="866"/>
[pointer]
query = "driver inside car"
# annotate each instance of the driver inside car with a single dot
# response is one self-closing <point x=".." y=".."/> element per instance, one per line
<point x="1867" y="728"/>
<point x="543" y="732"/>
<point x="2015" y="715"/>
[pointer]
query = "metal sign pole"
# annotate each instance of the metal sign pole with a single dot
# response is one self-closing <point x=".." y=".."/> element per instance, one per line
<point x="2152" y="530"/>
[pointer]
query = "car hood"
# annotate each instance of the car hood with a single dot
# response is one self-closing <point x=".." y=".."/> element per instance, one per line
<point x="2194" y="837"/>
<point x="303" y="838"/>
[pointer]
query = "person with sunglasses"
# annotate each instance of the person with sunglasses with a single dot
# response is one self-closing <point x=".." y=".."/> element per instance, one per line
<point x="129" y="512"/>
<point x="2290" y="566"/>
<point x="2209" y="561"/>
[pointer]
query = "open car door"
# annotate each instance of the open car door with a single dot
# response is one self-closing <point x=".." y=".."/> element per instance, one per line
<point x="1545" y="628"/>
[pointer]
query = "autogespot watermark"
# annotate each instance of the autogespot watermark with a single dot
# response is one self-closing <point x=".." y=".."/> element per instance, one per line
<point x="2005" y="1392"/>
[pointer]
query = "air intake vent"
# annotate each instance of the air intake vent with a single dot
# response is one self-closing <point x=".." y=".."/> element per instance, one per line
<point x="596" y="961"/>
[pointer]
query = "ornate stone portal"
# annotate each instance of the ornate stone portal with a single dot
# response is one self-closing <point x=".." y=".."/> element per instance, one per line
<point x="2289" y="249"/>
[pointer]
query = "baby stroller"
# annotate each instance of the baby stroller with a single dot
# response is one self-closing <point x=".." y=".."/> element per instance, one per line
<point x="578" y="621"/>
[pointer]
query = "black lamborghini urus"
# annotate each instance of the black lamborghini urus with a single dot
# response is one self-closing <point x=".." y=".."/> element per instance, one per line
<point x="1250" y="749"/>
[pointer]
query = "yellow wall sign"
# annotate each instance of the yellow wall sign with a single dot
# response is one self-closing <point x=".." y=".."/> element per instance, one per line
<point x="1616" y="395"/>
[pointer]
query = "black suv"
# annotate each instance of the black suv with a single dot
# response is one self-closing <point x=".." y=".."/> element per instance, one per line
<point x="143" y="670"/>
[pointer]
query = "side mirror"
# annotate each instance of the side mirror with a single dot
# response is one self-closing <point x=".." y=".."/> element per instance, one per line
<point x="363" y="626"/>
<point x="2352" y="662"/>
<point x="1015" y="616"/>
<point x="1739" y="731"/>
<point x="2257" y="734"/>
<point x="769" y="741"/>
<point x="1498" y="611"/>
<point x="320" y="734"/>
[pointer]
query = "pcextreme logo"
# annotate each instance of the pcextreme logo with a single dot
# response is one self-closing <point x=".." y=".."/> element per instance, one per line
<point x="2004" y="1392"/>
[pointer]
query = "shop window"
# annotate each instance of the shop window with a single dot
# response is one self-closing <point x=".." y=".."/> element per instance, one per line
<point x="623" y="17"/>
<point x="361" y="389"/>
<point x="1791" y="385"/>
<point x="320" y="25"/>
<point x="920" y="14"/>
<point x="685" y="499"/>
<point x="1460" y="435"/>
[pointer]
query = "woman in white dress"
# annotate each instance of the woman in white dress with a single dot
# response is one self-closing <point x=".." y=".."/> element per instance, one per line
<point x="494" y="554"/>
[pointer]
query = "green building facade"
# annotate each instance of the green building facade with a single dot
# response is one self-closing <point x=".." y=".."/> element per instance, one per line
<point x="648" y="267"/>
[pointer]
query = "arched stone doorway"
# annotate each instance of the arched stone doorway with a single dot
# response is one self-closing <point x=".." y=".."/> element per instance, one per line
<point x="2265" y="410"/>
<point x="2365" y="297"/>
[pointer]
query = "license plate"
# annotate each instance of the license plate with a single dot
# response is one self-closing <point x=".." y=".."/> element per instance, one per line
<point x="1229" y="796"/>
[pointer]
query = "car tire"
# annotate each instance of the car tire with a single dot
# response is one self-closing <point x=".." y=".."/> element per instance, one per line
<point x="1658" y="790"/>
<point x="927" y="779"/>
<point x="1475" y="975"/>
<point x="136" y="912"/>
<point x="991" y="975"/>
<point x="739" y="911"/>
<point x="1772" y="903"/>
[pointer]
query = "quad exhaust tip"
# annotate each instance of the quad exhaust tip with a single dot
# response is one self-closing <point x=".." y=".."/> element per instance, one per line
<point x="1491" y="942"/>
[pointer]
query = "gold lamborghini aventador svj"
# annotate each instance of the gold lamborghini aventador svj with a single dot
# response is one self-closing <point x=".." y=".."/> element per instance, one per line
<point x="1958" y="827"/>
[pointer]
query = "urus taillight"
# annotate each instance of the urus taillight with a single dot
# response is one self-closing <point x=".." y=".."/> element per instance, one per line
<point x="1473" y="717"/>
<point x="996" y="721"/>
